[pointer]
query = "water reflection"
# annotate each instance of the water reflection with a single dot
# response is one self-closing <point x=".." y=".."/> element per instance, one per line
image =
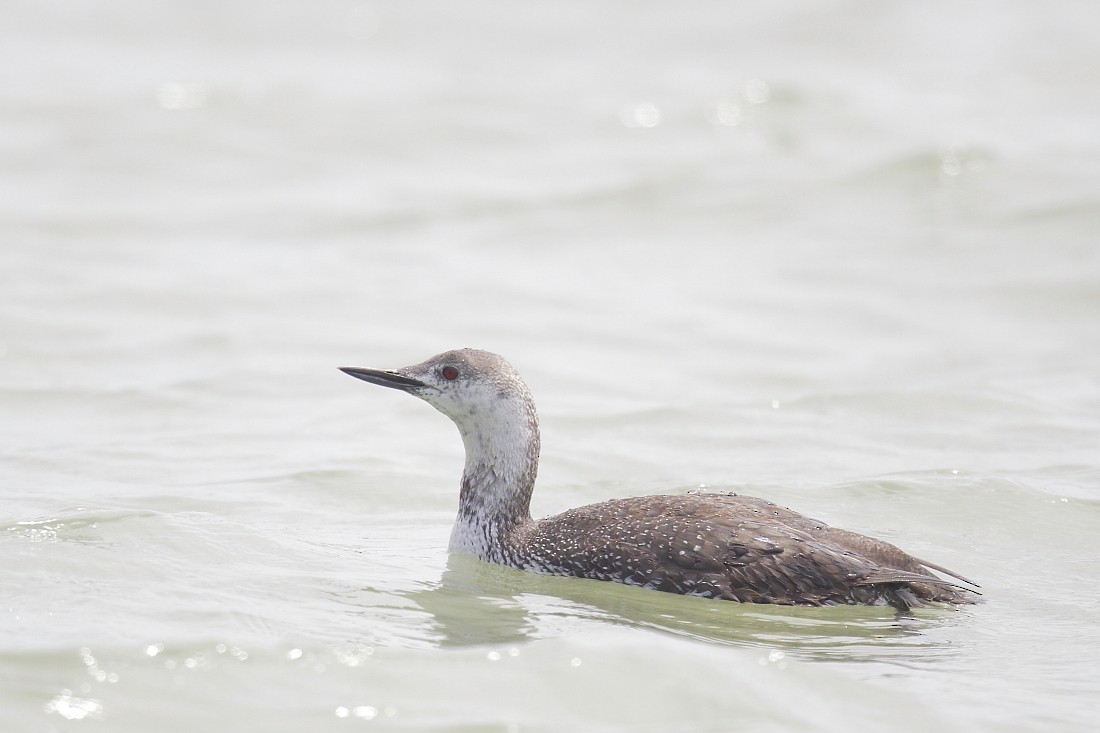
<point x="757" y="91"/>
<point x="480" y="603"/>
<point x="176" y="95"/>
<point x="71" y="707"/>
<point x="640" y="115"/>
<point x="77" y="525"/>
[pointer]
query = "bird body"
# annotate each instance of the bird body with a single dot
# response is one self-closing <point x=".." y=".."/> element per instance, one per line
<point x="714" y="545"/>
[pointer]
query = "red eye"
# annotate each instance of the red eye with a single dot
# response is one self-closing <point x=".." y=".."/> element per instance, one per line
<point x="449" y="373"/>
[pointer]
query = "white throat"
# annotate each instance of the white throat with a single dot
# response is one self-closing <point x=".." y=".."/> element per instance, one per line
<point x="502" y="453"/>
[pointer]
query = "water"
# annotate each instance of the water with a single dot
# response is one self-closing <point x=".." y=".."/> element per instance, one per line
<point x="840" y="255"/>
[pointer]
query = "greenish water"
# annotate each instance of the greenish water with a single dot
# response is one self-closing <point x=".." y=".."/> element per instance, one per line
<point x="837" y="255"/>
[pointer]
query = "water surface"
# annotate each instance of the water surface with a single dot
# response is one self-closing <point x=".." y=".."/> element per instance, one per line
<point x="840" y="255"/>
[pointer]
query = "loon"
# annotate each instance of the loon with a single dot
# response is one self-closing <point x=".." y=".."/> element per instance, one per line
<point x="714" y="545"/>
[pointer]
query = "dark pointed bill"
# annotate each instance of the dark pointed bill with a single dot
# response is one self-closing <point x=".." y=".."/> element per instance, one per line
<point x="383" y="377"/>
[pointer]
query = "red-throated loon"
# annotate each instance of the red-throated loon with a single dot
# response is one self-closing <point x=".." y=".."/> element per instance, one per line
<point x="713" y="545"/>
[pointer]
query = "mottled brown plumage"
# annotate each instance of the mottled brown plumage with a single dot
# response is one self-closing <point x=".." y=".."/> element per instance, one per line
<point x="725" y="546"/>
<point x="729" y="547"/>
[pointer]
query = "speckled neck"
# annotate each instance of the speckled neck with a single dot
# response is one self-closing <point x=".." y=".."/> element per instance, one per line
<point x="502" y="457"/>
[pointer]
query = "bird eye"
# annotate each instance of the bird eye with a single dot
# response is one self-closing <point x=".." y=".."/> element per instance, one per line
<point x="449" y="373"/>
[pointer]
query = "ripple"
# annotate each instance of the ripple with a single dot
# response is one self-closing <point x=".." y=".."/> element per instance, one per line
<point x="78" y="526"/>
<point x="71" y="707"/>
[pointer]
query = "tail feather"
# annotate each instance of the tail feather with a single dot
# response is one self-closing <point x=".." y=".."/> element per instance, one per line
<point x="945" y="571"/>
<point x="890" y="575"/>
